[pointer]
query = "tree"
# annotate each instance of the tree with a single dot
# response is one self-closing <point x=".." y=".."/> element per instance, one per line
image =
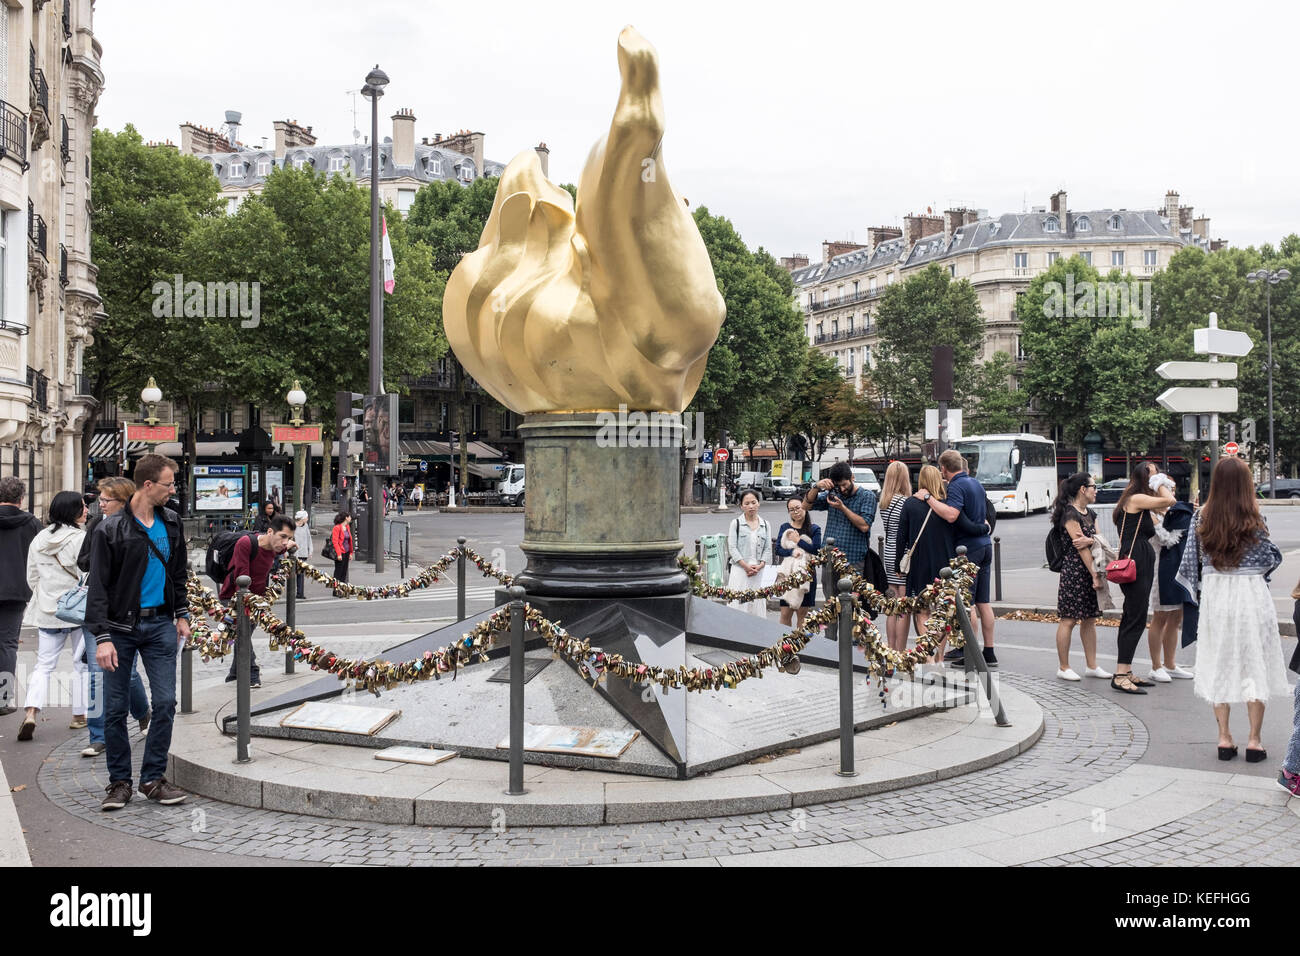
<point x="758" y="358"/>
<point x="145" y="202"/>
<point x="997" y="407"/>
<point x="809" y="409"/>
<point x="928" y="309"/>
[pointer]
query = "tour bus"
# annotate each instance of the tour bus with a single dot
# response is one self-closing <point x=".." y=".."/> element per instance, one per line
<point x="1018" y="471"/>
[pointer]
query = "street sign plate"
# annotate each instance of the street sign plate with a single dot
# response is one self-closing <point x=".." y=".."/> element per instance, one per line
<point x="1231" y="448"/>
<point x="1186" y="398"/>
<point x="1204" y="371"/>
<point x="706" y="458"/>
<point x="1221" y="342"/>
<point x="722" y="454"/>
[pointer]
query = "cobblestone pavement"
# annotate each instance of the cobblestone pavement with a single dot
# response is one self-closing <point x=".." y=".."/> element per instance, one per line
<point x="1226" y="833"/>
<point x="1086" y="741"/>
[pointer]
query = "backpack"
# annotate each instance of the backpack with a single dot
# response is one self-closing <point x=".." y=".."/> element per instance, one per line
<point x="221" y="549"/>
<point x="1055" y="548"/>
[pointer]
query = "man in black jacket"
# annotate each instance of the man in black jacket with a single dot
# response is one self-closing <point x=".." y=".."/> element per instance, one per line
<point x="137" y="589"/>
<point x="17" y="529"/>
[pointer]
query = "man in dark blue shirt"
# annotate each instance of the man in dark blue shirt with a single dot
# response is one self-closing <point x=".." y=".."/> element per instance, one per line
<point x="966" y="496"/>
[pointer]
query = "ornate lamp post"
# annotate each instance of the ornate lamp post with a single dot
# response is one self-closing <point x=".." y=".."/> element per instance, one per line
<point x="151" y="395"/>
<point x="1270" y="279"/>
<point x="297" y="399"/>
<point x="376" y="80"/>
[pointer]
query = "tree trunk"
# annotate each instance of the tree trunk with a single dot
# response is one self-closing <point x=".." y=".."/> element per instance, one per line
<point x="192" y="415"/>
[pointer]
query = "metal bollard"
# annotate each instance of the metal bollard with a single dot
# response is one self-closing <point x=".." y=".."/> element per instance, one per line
<point x="187" y="681"/>
<point x="880" y="546"/>
<point x="845" y="636"/>
<point x="460" y="579"/>
<point x="290" y="609"/>
<point x="516" y="692"/>
<point x="997" y="569"/>
<point x="243" y="668"/>
<point x="699" y="553"/>
<point x="828" y="573"/>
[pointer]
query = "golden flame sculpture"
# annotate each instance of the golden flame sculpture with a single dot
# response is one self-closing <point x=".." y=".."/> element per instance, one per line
<point x="616" y="304"/>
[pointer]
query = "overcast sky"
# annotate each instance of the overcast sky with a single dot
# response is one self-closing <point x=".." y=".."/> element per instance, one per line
<point x="799" y="122"/>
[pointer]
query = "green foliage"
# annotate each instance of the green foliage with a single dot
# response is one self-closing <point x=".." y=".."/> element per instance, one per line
<point x="997" y="407"/>
<point x="758" y="359"/>
<point x="449" y="218"/>
<point x="145" y="202"/>
<point x="810" y="407"/>
<point x="928" y="309"/>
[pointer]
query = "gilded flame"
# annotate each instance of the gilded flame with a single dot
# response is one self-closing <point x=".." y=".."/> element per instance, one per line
<point x="616" y="304"/>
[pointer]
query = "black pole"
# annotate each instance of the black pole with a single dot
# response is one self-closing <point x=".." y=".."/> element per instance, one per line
<point x="516" y="692"/>
<point x="997" y="569"/>
<point x="243" y="668"/>
<point x="290" y="606"/>
<point x="376" y="314"/>
<point x="845" y="637"/>
<point x="460" y="579"/>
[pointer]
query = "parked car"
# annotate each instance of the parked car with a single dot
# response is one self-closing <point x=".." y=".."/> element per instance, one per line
<point x="1286" y="488"/>
<point x="867" y="479"/>
<point x="1110" y="492"/>
<point x="777" y="488"/>
<point x="749" y="479"/>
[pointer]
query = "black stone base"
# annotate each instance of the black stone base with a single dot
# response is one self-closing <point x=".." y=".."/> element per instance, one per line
<point x="616" y="575"/>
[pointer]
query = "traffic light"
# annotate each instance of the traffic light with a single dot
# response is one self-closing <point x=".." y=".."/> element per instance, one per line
<point x="348" y="414"/>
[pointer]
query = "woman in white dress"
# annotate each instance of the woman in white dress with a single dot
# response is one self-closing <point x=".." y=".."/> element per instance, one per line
<point x="749" y="541"/>
<point x="1226" y="563"/>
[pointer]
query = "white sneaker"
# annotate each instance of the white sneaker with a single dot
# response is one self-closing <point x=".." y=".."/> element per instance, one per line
<point x="1159" y="676"/>
<point x="1098" y="672"/>
<point x="1067" y="674"/>
<point x="1179" y="673"/>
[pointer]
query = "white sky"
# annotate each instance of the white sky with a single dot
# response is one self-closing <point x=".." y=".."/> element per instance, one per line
<point x="797" y="122"/>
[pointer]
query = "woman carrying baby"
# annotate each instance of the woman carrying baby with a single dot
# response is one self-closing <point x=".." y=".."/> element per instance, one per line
<point x="798" y="536"/>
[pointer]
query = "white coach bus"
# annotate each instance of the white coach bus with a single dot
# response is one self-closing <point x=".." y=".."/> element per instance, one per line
<point x="1018" y="471"/>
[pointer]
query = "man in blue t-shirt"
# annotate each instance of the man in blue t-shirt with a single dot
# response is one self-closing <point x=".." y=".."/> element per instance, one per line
<point x="966" y="496"/>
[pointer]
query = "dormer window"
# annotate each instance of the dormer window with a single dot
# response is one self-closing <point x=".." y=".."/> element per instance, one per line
<point x="236" y="169"/>
<point x="435" y="166"/>
<point x="338" y="164"/>
<point x="1051" y="224"/>
<point x="299" y="161"/>
<point x="1113" y="224"/>
<point x="466" y="172"/>
<point x="1083" y="224"/>
<point x="264" y="167"/>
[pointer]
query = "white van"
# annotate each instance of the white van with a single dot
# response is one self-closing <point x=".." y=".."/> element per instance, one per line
<point x="866" y="478"/>
<point x="511" y="485"/>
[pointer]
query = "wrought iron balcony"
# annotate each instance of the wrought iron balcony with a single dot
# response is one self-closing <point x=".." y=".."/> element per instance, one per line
<point x="843" y="300"/>
<point x="65" y="149"/>
<point x="63" y="264"/>
<point x="36" y="231"/>
<point x="39" y="383"/>
<point x="67" y="19"/>
<point x="40" y="88"/>
<point x="13" y="134"/>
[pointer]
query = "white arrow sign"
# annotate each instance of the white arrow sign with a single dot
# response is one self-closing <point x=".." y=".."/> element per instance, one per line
<point x="1215" y="341"/>
<point x="1205" y="371"/>
<point x="1188" y="399"/>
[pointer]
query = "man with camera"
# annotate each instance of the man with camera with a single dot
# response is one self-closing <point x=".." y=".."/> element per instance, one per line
<point x="850" y="510"/>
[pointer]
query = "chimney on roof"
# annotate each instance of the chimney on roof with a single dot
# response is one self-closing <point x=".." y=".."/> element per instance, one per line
<point x="403" y="138"/>
<point x="972" y="217"/>
<point x="1201" y="227"/>
<point x="1171" y="209"/>
<point x="878" y="234"/>
<point x="289" y="135"/>
<point x="952" y="220"/>
<point x="1059" y="206"/>
<point x="796" y="261"/>
<point x="916" y="228"/>
<point x="543" y="157"/>
<point x="832" y="248"/>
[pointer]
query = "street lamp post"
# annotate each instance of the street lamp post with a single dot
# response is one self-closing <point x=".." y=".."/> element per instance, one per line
<point x="297" y="399"/>
<point x="1270" y="279"/>
<point x="376" y="80"/>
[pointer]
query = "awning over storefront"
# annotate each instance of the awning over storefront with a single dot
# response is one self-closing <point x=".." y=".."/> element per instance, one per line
<point x="440" y="450"/>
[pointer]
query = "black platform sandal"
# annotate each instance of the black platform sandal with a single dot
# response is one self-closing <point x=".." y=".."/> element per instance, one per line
<point x="1129" y="685"/>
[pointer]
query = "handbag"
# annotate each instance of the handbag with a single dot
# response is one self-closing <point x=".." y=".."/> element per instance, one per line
<point x="905" y="565"/>
<point x="327" y="551"/>
<point x="1125" y="570"/>
<point x="72" y="603"/>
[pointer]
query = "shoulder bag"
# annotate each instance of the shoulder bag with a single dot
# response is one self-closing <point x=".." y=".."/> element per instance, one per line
<point x="1124" y="571"/>
<point x="905" y="563"/>
<point x="72" y="603"/>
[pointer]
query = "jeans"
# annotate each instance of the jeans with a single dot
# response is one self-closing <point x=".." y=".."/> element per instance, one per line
<point x="11" y="622"/>
<point x="138" y="704"/>
<point x="302" y="581"/>
<point x="154" y="640"/>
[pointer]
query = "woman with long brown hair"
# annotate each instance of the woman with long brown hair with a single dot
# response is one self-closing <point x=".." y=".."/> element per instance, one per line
<point x="930" y="542"/>
<point x="1132" y="517"/>
<point x="894" y="494"/>
<point x="1227" y="561"/>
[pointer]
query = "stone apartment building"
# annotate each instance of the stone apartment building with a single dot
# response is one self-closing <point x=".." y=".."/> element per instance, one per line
<point x="50" y="81"/>
<point x="998" y="254"/>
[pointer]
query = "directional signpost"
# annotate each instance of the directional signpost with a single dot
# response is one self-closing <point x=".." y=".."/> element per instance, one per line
<point x="1211" y="399"/>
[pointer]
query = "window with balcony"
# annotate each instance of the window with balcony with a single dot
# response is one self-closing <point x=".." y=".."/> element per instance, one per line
<point x="1117" y="258"/>
<point x="1022" y="260"/>
<point x="835" y="327"/>
<point x="871" y="284"/>
<point x="1148" y="257"/>
<point x="866" y="356"/>
<point x="889" y="279"/>
<point x="819" y="330"/>
<point x="855" y="288"/>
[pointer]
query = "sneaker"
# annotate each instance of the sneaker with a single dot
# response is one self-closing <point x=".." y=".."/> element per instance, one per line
<point x="144" y="721"/>
<point x="94" y="750"/>
<point x="119" y="795"/>
<point x="955" y="655"/>
<point x="1098" y="672"/>
<point x="255" y="683"/>
<point x="1290" y="782"/>
<point x="78" y="722"/>
<point x="1179" y="673"/>
<point x="1068" y="674"/>
<point x="163" y="792"/>
<point x="990" y="658"/>
<point x="1160" y="677"/>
